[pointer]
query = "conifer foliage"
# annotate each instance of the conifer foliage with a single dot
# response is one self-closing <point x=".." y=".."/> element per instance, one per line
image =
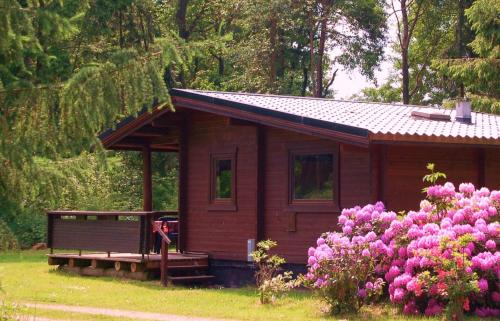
<point x="62" y="81"/>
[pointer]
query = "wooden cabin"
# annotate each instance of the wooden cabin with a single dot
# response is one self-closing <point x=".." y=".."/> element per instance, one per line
<point x="254" y="167"/>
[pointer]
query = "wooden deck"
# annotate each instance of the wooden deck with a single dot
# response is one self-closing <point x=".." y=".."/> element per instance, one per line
<point x="182" y="267"/>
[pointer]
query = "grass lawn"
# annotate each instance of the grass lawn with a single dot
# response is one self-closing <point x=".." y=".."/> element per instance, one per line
<point x="26" y="277"/>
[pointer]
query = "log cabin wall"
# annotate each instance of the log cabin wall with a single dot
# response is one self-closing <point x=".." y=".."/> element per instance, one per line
<point x="406" y="165"/>
<point x="294" y="231"/>
<point x="492" y="168"/>
<point x="391" y="173"/>
<point x="223" y="234"/>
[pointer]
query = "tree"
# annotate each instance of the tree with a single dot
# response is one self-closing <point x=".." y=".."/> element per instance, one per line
<point x="479" y="77"/>
<point x="386" y="93"/>
<point x="63" y="79"/>
<point x="427" y="30"/>
<point x="353" y="28"/>
<point x="407" y="15"/>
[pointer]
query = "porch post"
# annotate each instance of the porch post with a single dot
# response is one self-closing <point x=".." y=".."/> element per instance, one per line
<point x="183" y="181"/>
<point x="147" y="183"/>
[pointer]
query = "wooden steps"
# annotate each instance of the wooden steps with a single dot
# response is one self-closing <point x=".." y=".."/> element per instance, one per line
<point x="182" y="268"/>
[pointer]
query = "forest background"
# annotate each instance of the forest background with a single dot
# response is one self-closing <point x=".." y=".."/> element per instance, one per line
<point x="72" y="68"/>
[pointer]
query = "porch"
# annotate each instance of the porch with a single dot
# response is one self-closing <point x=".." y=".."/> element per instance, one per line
<point x="120" y="244"/>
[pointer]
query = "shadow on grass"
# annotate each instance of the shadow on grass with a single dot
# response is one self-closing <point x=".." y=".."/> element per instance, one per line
<point x="155" y="285"/>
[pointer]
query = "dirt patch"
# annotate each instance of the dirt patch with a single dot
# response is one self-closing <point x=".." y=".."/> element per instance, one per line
<point x="119" y="313"/>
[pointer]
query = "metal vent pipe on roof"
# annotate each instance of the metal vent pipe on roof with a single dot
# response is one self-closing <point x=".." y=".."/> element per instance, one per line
<point x="463" y="110"/>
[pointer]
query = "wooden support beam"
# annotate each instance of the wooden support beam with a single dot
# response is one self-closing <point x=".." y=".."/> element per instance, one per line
<point x="146" y="141"/>
<point x="376" y="172"/>
<point x="382" y="175"/>
<point x="73" y="262"/>
<point x="164" y="263"/>
<point x="50" y="229"/>
<point x="95" y="263"/>
<point x="168" y="120"/>
<point x="158" y="148"/>
<point x="148" y="131"/>
<point x="137" y="267"/>
<point x="122" y="266"/>
<point x="261" y="174"/>
<point x="164" y="140"/>
<point x="481" y="167"/>
<point x="132" y="141"/>
<point x="240" y="122"/>
<point x="147" y="181"/>
<point x="91" y="271"/>
<point x="183" y="188"/>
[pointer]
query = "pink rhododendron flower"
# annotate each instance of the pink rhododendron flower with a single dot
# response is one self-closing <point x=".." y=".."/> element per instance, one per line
<point x="491" y="245"/>
<point x="466" y="188"/>
<point x="483" y="285"/>
<point x="422" y="253"/>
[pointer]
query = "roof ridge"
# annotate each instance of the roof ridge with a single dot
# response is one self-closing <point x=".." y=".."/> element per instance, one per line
<point x="309" y="98"/>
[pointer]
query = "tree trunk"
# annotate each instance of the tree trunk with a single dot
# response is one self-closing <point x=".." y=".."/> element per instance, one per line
<point x="321" y="51"/>
<point x="460" y="41"/>
<point x="120" y="22"/>
<point x="305" y="81"/>
<point x="273" y="51"/>
<point x="181" y="19"/>
<point x="311" y="52"/>
<point x="405" y="42"/>
<point x="220" y="61"/>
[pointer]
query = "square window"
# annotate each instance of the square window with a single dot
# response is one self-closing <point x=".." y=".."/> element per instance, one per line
<point x="313" y="177"/>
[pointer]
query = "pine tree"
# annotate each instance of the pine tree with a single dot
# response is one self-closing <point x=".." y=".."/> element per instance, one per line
<point x="67" y="71"/>
<point x="479" y="76"/>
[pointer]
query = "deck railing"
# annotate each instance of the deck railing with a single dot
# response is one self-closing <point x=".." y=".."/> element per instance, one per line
<point x="126" y="232"/>
<point x="165" y="242"/>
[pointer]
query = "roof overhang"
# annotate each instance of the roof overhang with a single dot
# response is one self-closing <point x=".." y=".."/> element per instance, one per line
<point x="158" y="129"/>
<point x="148" y="129"/>
<point x="272" y="118"/>
<point x="390" y="139"/>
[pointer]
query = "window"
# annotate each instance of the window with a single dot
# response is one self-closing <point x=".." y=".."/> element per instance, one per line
<point x="313" y="179"/>
<point x="223" y="180"/>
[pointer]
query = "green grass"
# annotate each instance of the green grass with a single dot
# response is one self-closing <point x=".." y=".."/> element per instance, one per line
<point x="26" y="277"/>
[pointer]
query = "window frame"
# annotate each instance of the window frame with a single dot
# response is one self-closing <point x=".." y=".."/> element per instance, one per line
<point x="222" y="204"/>
<point x="313" y="205"/>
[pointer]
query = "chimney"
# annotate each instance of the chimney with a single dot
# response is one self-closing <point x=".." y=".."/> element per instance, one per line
<point x="463" y="111"/>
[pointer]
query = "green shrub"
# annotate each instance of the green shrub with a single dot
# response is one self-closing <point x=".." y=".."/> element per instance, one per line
<point x="7" y="239"/>
<point x="270" y="282"/>
<point x="29" y="228"/>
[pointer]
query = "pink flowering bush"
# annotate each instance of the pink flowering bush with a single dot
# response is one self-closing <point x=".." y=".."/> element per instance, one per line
<point x="342" y="270"/>
<point x="442" y="258"/>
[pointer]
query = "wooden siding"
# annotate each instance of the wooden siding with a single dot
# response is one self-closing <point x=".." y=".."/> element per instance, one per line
<point x="492" y="168"/>
<point x="391" y="173"/>
<point x="221" y="233"/>
<point x="96" y="235"/>
<point x="354" y="189"/>
<point x="406" y="165"/>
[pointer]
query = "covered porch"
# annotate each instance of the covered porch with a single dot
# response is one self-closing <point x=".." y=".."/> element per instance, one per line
<point x="122" y="244"/>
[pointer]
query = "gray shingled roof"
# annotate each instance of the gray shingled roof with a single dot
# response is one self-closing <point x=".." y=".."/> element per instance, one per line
<point x="377" y="118"/>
